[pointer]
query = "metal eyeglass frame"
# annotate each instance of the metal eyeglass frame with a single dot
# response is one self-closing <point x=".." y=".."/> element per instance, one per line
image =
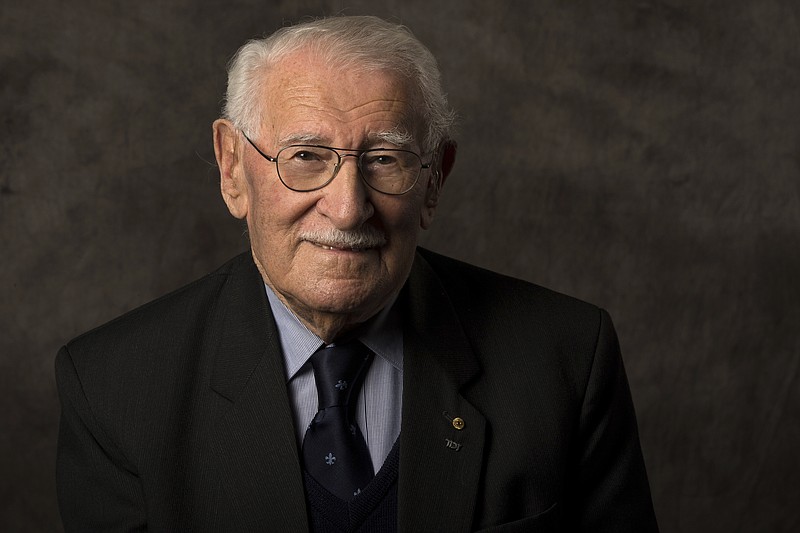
<point x="339" y="164"/>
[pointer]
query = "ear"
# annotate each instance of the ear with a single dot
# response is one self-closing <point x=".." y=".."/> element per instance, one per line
<point x="441" y="168"/>
<point x="232" y="182"/>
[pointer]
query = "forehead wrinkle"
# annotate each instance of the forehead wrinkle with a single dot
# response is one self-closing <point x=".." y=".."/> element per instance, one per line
<point x="309" y="111"/>
<point x="395" y="104"/>
<point x="318" y="98"/>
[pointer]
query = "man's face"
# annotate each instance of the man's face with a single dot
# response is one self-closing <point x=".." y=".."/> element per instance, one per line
<point x="305" y="101"/>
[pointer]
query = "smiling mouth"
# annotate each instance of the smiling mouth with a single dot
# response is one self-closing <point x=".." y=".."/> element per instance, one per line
<point x="340" y="247"/>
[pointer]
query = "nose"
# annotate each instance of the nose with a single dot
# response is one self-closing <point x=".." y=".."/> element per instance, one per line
<point x="346" y="201"/>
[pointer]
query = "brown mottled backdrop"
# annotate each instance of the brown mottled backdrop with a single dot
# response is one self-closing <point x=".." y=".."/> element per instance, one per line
<point x="643" y="155"/>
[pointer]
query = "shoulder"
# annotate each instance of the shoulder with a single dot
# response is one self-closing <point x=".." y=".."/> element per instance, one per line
<point x="156" y="334"/>
<point x="176" y="309"/>
<point x="142" y="369"/>
<point x="474" y="288"/>
<point x="137" y="365"/>
<point x="517" y="327"/>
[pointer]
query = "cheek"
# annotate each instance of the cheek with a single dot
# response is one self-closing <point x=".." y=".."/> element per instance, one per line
<point x="271" y="217"/>
<point x="410" y="210"/>
<point x="402" y="221"/>
<point x="272" y="204"/>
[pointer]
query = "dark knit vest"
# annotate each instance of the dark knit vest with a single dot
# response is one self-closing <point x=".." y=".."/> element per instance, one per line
<point x="374" y="510"/>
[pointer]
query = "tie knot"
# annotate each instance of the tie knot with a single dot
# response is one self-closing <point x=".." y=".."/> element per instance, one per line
<point x="339" y="372"/>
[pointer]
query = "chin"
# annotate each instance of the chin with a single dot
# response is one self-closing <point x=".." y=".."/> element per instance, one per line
<point x="347" y="296"/>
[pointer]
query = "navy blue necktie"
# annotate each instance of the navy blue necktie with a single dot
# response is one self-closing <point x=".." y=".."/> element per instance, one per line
<point x="334" y="451"/>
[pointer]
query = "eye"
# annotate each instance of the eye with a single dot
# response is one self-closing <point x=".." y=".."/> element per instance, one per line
<point x="305" y="155"/>
<point x="379" y="159"/>
<point x="385" y="159"/>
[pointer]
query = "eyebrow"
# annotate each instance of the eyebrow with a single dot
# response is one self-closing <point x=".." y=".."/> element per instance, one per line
<point x="398" y="137"/>
<point x="301" y="138"/>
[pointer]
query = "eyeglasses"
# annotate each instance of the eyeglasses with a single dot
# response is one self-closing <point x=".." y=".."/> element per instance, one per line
<point x="308" y="167"/>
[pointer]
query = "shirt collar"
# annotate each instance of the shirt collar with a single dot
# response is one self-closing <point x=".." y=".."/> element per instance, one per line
<point x="382" y="334"/>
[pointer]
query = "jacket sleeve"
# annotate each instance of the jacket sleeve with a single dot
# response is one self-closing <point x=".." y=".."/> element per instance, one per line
<point x="613" y="494"/>
<point x="98" y="487"/>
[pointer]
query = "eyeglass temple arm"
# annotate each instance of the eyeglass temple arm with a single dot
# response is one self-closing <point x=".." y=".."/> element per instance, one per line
<point x="265" y="156"/>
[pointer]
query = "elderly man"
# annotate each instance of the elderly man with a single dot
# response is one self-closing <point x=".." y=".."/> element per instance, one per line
<point x="337" y="378"/>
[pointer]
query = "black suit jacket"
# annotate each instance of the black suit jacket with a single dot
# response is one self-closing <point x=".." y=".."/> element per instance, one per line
<point x="175" y="416"/>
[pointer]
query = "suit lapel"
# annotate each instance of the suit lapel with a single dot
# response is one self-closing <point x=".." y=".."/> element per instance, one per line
<point x="440" y="464"/>
<point x="254" y="440"/>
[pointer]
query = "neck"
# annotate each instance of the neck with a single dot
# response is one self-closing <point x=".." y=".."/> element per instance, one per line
<point x="328" y="326"/>
<point x="325" y="324"/>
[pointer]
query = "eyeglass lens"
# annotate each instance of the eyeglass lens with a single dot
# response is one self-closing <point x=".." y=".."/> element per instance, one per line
<point x="304" y="168"/>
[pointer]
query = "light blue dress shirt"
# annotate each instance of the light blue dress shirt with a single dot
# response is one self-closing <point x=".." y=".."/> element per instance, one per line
<point x="379" y="407"/>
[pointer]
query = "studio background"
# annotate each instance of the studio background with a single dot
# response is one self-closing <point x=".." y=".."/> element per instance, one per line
<point x="643" y="155"/>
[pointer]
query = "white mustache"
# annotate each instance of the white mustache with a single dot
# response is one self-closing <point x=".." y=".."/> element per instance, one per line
<point x="362" y="238"/>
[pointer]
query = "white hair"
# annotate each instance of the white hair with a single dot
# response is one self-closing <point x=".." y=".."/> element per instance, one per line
<point x="363" y="42"/>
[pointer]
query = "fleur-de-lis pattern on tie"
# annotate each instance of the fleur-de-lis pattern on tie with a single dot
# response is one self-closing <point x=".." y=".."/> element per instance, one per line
<point x="334" y="451"/>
